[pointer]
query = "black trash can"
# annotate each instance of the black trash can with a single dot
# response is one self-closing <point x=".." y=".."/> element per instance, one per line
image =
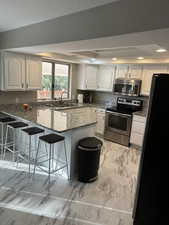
<point x="88" y="159"/>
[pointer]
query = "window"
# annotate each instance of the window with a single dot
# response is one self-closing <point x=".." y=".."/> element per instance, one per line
<point x="55" y="81"/>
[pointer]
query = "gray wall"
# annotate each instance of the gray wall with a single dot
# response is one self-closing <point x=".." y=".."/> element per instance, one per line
<point x="17" y="97"/>
<point x="121" y="17"/>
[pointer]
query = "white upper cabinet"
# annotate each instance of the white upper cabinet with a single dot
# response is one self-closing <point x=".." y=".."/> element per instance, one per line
<point x="20" y="72"/>
<point x="33" y="73"/>
<point x="91" y="77"/>
<point x="87" y="77"/>
<point x="122" y="71"/>
<point x="148" y="71"/>
<point x="135" y="71"/>
<point x="13" y="72"/>
<point x="105" y="78"/>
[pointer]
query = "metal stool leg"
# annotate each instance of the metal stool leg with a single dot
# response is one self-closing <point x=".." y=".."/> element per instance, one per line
<point x="50" y="154"/>
<point x="36" y="158"/>
<point x="2" y="139"/>
<point x="29" y="154"/>
<point x="6" y="140"/>
<point x="66" y="160"/>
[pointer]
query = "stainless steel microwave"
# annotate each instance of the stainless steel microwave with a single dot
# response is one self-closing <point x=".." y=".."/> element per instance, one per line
<point x="127" y="86"/>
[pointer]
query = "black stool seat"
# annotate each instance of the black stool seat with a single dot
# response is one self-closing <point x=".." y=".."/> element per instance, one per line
<point x="7" y="119"/>
<point x="51" y="138"/>
<point x="33" y="130"/>
<point x="18" y="125"/>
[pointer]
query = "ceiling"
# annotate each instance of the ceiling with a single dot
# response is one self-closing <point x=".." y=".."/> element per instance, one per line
<point x="18" y="13"/>
<point x="126" y="48"/>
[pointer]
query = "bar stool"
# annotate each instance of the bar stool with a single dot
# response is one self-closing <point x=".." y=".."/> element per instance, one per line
<point x="3" y="122"/>
<point x="14" y="127"/>
<point x="31" y="132"/>
<point x="51" y="140"/>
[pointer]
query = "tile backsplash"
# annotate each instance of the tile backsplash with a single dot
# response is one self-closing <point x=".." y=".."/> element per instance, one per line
<point x="17" y="97"/>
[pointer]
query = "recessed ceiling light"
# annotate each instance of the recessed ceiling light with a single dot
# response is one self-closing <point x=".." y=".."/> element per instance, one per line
<point x="140" y="58"/>
<point x="93" y="59"/>
<point x="114" y="59"/>
<point x="161" y="50"/>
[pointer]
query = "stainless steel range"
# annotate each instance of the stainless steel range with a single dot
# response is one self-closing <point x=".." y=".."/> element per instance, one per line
<point x="119" y="120"/>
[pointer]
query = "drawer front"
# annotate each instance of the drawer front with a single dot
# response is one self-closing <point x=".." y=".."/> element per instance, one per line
<point x="138" y="127"/>
<point x="140" y="119"/>
<point x="136" y="139"/>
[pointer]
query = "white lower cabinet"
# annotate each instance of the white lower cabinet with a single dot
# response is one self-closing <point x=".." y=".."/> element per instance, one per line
<point x="100" y="117"/>
<point x="137" y="130"/>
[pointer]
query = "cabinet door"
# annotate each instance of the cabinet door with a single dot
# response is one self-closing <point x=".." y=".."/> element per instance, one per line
<point x="105" y="78"/>
<point x="14" y="71"/>
<point x="81" y="76"/>
<point x="148" y="71"/>
<point x="91" y="77"/>
<point x="33" y="73"/>
<point x="135" y="71"/>
<point x="100" y="117"/>
<point x="122" y="71"/>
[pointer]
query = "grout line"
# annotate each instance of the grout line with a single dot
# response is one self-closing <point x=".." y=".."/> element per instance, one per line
<point x="75" y="201"/>
<point x="27" y="210"/>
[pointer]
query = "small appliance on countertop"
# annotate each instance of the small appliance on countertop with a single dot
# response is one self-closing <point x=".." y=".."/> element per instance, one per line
<point x="80" y="98"/>
<point x="119" y="120"/>
<point x="88" y="98"/>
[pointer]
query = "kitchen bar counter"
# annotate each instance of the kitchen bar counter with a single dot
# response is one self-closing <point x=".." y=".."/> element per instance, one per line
<point x="73" y="123"/>
<point x="57" y="120"/>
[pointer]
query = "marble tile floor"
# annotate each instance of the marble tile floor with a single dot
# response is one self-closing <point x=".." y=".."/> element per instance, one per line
<point x="108" y="201"/>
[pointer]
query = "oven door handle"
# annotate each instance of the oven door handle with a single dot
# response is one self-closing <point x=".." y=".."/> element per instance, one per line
<point x="119" y="114"/>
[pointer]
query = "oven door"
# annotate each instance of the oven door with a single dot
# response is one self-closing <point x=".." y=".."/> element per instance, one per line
<point x="118" y="122"/>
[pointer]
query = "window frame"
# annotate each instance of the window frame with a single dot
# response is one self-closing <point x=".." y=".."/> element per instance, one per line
<point x="53" y="62"/>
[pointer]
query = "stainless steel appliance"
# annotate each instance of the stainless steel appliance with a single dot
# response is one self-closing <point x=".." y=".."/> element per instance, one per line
<point x="119" y="119"/>
<point x="124" y="86"/>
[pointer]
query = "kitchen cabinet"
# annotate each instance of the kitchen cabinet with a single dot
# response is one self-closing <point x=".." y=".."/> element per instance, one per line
<point x="105" y="78"/>
<point x="20" y="72"/>
<point x="91" y="77"/>
<point x="100" y="118"/>
<point x="12" y="71"/>
<point x="135" y="71"/>
<point x="137" y="130"/>
<point x="122" y="71"/>
<point x="148" y="71"/>
<point x="33" y="73"/>
<point x="87" y="77"/>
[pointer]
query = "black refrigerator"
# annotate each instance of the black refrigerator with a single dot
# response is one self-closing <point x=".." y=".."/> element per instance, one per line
<point x="152" y="194"/>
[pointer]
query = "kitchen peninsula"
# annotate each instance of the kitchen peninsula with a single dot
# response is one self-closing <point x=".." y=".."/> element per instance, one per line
<point x="74" y="124"/>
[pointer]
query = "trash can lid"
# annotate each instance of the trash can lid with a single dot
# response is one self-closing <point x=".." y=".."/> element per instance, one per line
<point x="90" y="143"/>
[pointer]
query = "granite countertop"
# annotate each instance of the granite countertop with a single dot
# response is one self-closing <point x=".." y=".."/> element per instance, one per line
<point x="55" y="119"/>
<point x="141" y="113"/>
